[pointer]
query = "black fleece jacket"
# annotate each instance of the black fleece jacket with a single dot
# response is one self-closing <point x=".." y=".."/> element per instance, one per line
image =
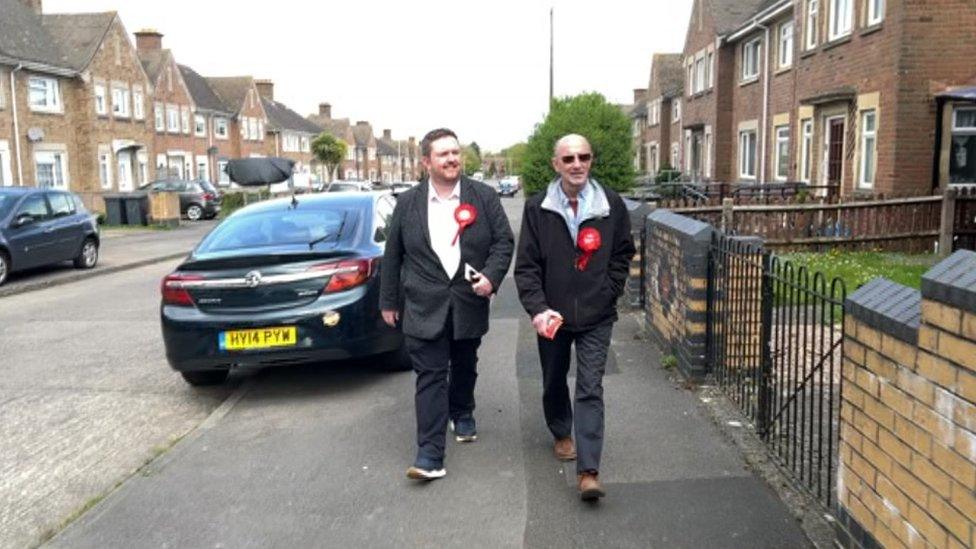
<point x="545" y="266"/>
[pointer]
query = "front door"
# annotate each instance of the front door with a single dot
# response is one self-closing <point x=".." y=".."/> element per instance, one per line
<point x="834" y="151"/>
<point x="697" y="139"/>
<point x="176" y="167"/>
<point x="125" y="171"/>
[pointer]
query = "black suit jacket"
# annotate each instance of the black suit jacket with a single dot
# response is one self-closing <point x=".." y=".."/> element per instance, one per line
<point x="412" y="273"/>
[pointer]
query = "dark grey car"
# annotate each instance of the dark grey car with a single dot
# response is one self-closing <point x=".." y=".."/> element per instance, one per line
<point x="43" y="226"/>
<point x="198" y="199"/>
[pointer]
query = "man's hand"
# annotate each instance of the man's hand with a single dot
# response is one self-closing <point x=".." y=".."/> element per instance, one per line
<point x="482" y="286"/>
<point x="541" y="321"/>
<point x="391" y="317"/>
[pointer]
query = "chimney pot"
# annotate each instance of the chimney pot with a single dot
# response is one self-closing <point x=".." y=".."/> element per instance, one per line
<point x="325" y="110"/>
<point x="149" y="40"/>
<point x="265" y="88"/>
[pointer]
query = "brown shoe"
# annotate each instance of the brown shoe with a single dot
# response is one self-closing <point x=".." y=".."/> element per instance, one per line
<point x="564" y="449"/>
<point x="589" y="487"/>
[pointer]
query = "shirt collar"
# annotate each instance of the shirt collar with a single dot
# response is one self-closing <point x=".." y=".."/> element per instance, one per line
<point x="583" y="196"/>
<point x="432" y="192"/>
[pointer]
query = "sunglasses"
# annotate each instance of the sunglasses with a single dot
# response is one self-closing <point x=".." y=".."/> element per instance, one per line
<point x="583" y="158"/>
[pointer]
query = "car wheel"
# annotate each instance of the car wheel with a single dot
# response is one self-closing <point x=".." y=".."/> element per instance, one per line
<point x="194" y="212"/>
<point x="88" y="256"/>
<point x="4" y="267"/>
<point x="205" y="377"/>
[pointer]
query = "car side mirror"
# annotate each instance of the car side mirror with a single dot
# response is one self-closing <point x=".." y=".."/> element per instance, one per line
<point x="23" y="219"/>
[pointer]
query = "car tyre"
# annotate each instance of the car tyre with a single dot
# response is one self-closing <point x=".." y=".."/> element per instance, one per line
<point x="202" y="378"/>
<point x="4" y="266"/>
<point x="87" y="257"/>
<point x="194" y="212"/>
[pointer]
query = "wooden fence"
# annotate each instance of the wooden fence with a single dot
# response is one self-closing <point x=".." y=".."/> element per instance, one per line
<point x="916" y="224"/>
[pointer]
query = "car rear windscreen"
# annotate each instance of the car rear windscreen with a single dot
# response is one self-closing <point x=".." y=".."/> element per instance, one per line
<point x="285" y="227"/>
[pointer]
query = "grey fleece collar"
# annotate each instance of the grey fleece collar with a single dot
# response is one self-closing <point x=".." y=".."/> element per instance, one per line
<point x="599" y="208"/>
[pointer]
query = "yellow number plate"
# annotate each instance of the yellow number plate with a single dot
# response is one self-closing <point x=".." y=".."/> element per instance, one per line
<point x="262" y="338"/>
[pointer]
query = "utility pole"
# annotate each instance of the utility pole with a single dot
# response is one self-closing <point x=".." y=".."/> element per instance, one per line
<point x="550" y="55"/>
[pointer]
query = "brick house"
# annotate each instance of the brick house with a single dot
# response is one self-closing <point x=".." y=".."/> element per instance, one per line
<point x="211" y="126"/>
<point x="410" y="165"/>
<point x="638" y="124"/>
<point x="289" y="135"/>
<point x="340" y="128"/>
<point x="664" y="86"/>
<point x="853" y="97"/>
<point x="179" y="153"/>
<point x="240" y="95"/>
<point x="365" y="151"/>
<point x="73" y="107"/>
<point x="389" y="152"/>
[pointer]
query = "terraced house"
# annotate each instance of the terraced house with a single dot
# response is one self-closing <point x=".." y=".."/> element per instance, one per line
<point x="289" y="135"/>
<point x="664" y="89"/>
<point x="211" y="126"/>
<point x="73" y="102"/>
<point x="853" y="96"/>
<point x="240" y="96"/>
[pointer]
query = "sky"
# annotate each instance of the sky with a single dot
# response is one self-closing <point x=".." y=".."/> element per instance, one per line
<point x="478" y="67"/>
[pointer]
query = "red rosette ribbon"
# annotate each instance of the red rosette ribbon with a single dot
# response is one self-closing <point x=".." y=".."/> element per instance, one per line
<point x="588" y="242"/>
<point x="465" y="214"/>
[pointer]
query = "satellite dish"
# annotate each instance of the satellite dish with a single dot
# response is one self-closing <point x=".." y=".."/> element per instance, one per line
<point x="35" y="134"/>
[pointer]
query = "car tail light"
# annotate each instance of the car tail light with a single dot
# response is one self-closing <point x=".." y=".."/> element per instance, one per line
<point x="348" y="273"/>
<point x="173" y="291"/>
<point x="209" y="196"/>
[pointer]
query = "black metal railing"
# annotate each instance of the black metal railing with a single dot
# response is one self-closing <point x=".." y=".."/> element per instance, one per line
<point x="774" y="335"/>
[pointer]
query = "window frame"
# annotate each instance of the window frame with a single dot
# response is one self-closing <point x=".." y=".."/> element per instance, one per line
<point x="836" y="19"/>
<point x="751" y="159"/>
<point x="52" y="97"/>
<point x="875" y="12"/>
<point x="960" y="131"/>
<point x="172" y="118"/>
<point x="185" y="120"/>
<point x="59" y="159"/>
<point x="101" y="96"/>
<point x="806" y="150"/>
<point x="863" y="137"/>
<point x="104" y="155"/>
<point x="199" y="125"/>
<point x="754" y="45"/>
<point x="159" y="113"/>
<point x="785" y="45"/>
<point x="782" y="146"/>
<point x="138" y="103"/>
<point x="220" y="122"/>
<point x="121" y="108"/>
<point x="812" y="24"/>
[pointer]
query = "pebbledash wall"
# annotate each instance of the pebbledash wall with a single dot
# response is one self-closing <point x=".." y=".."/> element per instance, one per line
<point x="907" y="471"/>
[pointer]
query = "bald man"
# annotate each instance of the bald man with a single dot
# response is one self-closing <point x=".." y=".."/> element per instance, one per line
<point x="562" y="279"/>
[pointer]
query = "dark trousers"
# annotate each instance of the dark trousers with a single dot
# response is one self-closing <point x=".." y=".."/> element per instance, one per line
<point x="591" y="359"/>
<point x="446" y="373"/>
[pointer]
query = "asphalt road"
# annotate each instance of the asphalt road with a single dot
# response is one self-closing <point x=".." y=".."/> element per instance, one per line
<point x="315" y="456"/>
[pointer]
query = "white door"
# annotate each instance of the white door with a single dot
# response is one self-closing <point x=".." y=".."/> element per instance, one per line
<point x="6" y="179"/>
<point x="176" y="167"/>
<point x="125" y="171"/>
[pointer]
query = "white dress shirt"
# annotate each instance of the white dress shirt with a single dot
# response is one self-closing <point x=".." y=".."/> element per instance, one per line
<point x="443" y="227"/>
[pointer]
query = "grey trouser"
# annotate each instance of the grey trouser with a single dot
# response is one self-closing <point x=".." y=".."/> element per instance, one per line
<point x="591" y="360"/>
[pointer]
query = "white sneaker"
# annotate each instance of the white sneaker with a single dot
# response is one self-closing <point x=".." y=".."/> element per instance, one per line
<point x="416" y="473"/>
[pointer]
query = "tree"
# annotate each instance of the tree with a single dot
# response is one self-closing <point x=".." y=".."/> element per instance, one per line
<point x="329" y="150"/>
<point x="472" y="160"/>
<point x="476" y="148"/>
<point x="603" y="124"/>
<point x="514" y="158"/>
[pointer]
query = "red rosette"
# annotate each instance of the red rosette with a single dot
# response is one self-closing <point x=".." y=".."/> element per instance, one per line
<point x="588" y="242"/>
<point x="464" y="215"/>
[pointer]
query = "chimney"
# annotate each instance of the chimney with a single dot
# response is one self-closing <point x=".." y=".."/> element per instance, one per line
<point x="147" y="39"/>
<point x="325" y="110"/>
<point x="640" y="94"/>
<point x="388" y="135"/>
<point x="265" y="89"/>
<point x="34" y="5"/>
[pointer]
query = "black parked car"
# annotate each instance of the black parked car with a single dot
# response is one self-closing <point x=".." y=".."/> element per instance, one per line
<point x="282" y="282"/>
<point x="198" y="199"/>
<point x="44" y="226"/>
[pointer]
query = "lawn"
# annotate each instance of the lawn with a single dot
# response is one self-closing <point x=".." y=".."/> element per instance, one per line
<point x="856" y="268"/>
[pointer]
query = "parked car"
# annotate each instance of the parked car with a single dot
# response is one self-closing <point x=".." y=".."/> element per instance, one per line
<point x="198" y="199"/>
<point x="349" y="186"/>
<point x="508" y="186"/>
<point x="44" y="226"/>
<point x="276" y="283"/>
<point x="399" y="187"/>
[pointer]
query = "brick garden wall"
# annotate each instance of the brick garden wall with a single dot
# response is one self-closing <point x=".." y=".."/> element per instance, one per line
<point x="907" y="471"/>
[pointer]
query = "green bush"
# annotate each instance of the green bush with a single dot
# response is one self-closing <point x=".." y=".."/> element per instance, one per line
<point x="235" y="200"/>
<point x="605" y="126"/>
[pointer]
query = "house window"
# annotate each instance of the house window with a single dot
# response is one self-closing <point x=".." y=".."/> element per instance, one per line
<point x="674" y="155"/>
<point x="44" y="94"/>
<point x="691" y="77"/>
<point x="750" y="59"/>
<point x="260" y="135"/>
<point x="962" y="159"/>
<point x="707" y="153"/>
<point x="806" y="148"/>
<point x="160" y="117"/>
<point x="185" y="119"/>
<point x="306" y="146"/>
<point x="841" y="18"/>
<point x="782" y="167"/>
<point x="747" y="154"/>
<point x="105" y="167"/>
<point x="138" y="104"/>
<point x="222" y="176"/>
<point x="101" y="105"/>
<point x="676" y="111"/>
<point x="710" y="70"/>
<point x="786" y="45"/>
<point x="699" y="74"/>
<point x="350" y="154"/>
<point x="876" y="9"/>
<point x="203" y="168"/>
<point x="813" y="23"/>
<point x="120" y="102"/>
<point x="143" y="159"/>
<point x="51" y="169"/>
<point x="220" y="127"/>
<point x="199" y="125"/>
<point x="252" y="129"/>
<point x="869" y="143"/>
<point x="172" y="119"/>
